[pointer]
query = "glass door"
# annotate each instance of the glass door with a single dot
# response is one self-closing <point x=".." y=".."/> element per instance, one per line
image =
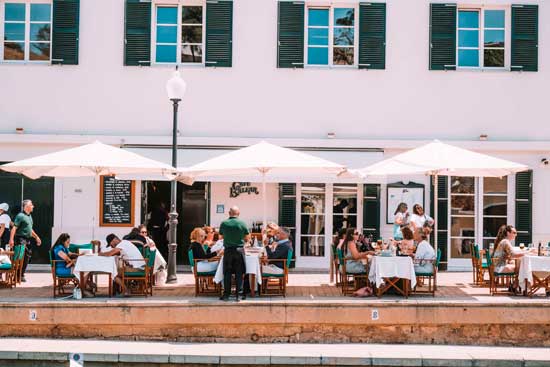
<point x="462" y="219"/>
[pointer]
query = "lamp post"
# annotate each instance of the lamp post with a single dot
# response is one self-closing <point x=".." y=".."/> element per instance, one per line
<point x="175" y="87"/>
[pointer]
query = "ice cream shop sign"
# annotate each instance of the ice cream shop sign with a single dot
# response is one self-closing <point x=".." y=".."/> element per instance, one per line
<point x="238" y="188"/>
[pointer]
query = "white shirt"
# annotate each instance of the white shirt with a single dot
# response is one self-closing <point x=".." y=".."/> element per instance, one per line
<point x="129" y="251"/>
<point x="424" y="251"/>
<point x="5" y="219"/>
<point x="419" y="220"/>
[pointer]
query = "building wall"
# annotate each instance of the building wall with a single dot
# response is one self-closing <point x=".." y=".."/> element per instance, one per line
<point x="254" y="98"/>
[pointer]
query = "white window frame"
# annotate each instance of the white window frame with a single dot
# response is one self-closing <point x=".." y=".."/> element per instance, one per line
<point x="482" y="207"/>
<point x="331" y="7"/>
<point x="450" y="217"/>
<point x="179" y="5"/>
<point x="28" y="23"/>
<point x="481" y="36"/>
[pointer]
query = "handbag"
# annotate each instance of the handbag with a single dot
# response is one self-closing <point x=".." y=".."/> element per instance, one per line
<point x="77" y="293"/>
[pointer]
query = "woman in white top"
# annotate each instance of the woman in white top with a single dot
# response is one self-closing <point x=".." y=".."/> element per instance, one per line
<point x="419" y="218"/>
<point x="425" y="254"/>
<point x="159" y="267"/>
<point x="5" y="224"/>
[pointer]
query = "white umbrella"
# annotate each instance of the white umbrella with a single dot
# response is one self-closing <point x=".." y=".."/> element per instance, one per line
<point x="95" y="159"/>
<point x="439" y="159"/>
<point x="262" y="161"/>
<point x="90" y="160"/>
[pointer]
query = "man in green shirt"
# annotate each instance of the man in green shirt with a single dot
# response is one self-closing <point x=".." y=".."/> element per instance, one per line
<point x="233" y="231"/>
<point x="22" y="233"/>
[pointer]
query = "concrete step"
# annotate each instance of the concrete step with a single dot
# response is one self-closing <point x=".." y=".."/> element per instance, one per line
<point x="100" y="353"/>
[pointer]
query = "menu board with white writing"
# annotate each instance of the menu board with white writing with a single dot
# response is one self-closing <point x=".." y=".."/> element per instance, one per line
<point x="117" y="202"/>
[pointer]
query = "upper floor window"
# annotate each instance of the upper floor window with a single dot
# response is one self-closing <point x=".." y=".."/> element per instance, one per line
<point x="179" y="34"/>
<point x="27" y="31"/>
<point x="482" y="38"/>
<point x="331" y="36"/>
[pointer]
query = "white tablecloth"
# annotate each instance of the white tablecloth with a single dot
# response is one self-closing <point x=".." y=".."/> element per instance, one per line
<point x="104" y="264"/>
<point x="5" y="259"/>
<point x="390" y="267"/>
<point x="530" y="264"/>
<point x="252" y="264"/>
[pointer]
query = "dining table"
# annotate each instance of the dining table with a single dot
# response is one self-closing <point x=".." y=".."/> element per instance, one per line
<point x="93" y="263"/>
<point x="253" y="269"/>
<point x="387" y="271"/>
<point x="534" y="272"/>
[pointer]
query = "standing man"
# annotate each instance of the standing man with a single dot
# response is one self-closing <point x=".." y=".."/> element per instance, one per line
<point x="22" y="233"/>
<point x="233" y="231"/>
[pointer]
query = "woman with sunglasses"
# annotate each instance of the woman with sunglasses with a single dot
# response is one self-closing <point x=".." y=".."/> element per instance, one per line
<point x="350" y="248"/>
<point x="160" y="264"/>
<point x="504" y="251"/>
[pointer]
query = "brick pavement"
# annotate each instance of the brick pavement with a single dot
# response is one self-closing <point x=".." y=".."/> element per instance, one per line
<point x="451" y="287"/>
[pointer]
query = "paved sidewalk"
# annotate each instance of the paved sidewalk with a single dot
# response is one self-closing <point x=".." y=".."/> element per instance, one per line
<point x="271" y="354"/>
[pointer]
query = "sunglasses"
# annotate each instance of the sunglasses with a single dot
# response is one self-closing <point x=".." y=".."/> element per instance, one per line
<point x="514" y="232"/>
<point x="356" y="234"/>
<point x="143" y="232"/>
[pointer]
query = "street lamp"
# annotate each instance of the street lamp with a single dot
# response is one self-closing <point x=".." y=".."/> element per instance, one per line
<point x="175" y="88"/>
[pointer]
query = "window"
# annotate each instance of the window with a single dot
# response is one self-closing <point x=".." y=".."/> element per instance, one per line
<point x="27" y="32"/>
<point x="185" y="24"/>
<point x="331" y="36"/>
<point x="481" y="38"/>
<point x="313" y="220"/>
<point x="495" y="207"/>
<point x="463" y="215"/>
<point x="344" y="209"/>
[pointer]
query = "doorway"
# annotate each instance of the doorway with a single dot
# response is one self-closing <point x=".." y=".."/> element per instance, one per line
<point x="191" y="205"/>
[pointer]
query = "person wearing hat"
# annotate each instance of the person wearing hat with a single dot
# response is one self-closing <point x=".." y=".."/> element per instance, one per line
<point x="22" y="233"/>
<point x="5" y="223"/>
<point x="128" y="253"/>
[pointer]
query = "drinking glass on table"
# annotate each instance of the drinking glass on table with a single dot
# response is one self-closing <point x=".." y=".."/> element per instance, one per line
<point x="521" y="246"/>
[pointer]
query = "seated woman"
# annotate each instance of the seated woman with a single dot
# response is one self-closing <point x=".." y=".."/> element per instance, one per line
<point x="503" y="255"/>
<point x="425" y="254"/>
<point x="210" y="233"/>
<point x="351" y="251"/>
<point x="65" y="261"/>
<point x="159" y="267"/>
<point x="197" y="238"/>
<point x="407" y="243"/>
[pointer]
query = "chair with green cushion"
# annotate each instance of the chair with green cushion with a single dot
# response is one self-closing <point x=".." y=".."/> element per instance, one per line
<point x="498" y="279"/>
<point x="204" y="281"/>
<point x="350" y="281"/>
<point x="137" y="281"/>
<point x="275" y="284"/>
<point x="150" y="256"/>
<point x="336" y="267"/>
<point x="480" y="266"/>
<point x="61" y="281"/>
<point x="10" y="270"/>
<point x="431" y="277"/>
<point x="18" y="262"/>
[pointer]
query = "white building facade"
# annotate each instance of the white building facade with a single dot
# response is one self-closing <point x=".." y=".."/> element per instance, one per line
<point x="351" y="81"/>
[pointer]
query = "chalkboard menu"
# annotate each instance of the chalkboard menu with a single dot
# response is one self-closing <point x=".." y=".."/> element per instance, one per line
<point x="117" y="202"/>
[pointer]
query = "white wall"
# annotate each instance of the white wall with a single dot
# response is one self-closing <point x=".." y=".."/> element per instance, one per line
<point x="254" y="98"/>
<point x="251" y="206"/>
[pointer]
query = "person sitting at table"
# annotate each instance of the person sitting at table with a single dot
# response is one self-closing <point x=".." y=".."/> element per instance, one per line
<point x="129" y="254"/>
<point x="354" y="265"/>
<point x="66" y="260"/>
<point x="278" y="251"/>
<point x="271" y="232"/>
<point x="159" y="267"/>
<point x="407" y="243"/>
<point x="210" y="233"/>
<point x="504" y="255"/>
<point x="425" y="254"/>
<point x="197" y="238"/>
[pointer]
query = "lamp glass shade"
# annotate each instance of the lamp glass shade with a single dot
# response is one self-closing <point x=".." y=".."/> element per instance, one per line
<point x="175" y="87"/>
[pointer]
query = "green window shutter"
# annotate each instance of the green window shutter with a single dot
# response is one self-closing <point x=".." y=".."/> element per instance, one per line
<point x="219" y="33"/>
<point x="525" y="37"/>
<point x="442" y="214"/>
<point x="290" y="46"/>
<point x="372" y="36"/>
<point x="442" y="36"/>
<point x="524" y="207"/>
<point x="371" y="210"/>
<point x="65" y="32"/>
<point x="287" y="205"/>
<point x="137" y="33"/>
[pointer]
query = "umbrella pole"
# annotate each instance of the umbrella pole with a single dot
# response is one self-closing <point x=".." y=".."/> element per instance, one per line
<point x="264" y="225"/>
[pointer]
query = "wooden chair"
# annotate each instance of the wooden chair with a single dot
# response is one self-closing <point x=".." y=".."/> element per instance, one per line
<point x="336" y="267"/>
<point x="204" y="281"/>
<point x="473" y="258"/>
<point x="61" y="281"/>
<point x="497" y="279"/>
<point x="430" y="277"/>
<point x="350" y="281"/>
<point x="138" y="281"/>
<point x="18" y="263"/>
<point x="151" y="256"/>
<point x="275" y="284"/>
<point x="480" y="267"/>
<point x="9" y="271"/>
